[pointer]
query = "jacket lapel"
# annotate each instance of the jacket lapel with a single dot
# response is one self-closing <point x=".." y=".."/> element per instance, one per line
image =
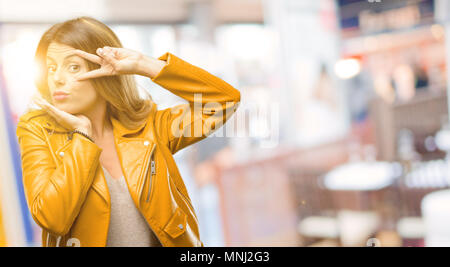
<point x="133" y="153"/>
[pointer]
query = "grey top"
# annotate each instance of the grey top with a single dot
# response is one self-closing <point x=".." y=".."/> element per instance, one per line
<point x="127" y="227"/>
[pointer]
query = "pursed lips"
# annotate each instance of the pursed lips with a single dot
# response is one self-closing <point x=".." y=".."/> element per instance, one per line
<point x="59" y="95"/>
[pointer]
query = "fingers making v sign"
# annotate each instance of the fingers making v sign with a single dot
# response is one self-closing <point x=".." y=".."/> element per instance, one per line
<point x="112" y="61"/>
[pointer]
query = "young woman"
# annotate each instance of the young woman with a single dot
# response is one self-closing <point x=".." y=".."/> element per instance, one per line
<point x="97" y="157"/>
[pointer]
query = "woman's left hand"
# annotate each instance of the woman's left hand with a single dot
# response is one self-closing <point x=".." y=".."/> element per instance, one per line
<point x="112" y="61"/>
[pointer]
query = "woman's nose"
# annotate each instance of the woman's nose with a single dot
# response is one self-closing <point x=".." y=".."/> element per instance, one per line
<point x="58" y="77"/>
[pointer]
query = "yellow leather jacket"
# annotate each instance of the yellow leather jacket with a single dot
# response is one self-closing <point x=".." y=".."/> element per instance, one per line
<point x="65" y="187"/>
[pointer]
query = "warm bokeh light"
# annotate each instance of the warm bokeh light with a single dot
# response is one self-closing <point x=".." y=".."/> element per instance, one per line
<point x="20" y="69"/>
<point x="347" y="68"/>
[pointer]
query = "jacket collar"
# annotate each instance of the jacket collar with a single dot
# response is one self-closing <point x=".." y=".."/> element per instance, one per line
<point x="120" y="129"/>
<point x="51" y="124"/>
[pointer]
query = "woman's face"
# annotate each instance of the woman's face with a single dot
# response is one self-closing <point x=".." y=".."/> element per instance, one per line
<point x="67" y="93"/>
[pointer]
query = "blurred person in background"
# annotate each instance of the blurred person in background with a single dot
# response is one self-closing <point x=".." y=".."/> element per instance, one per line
<point x="97" y="157"/>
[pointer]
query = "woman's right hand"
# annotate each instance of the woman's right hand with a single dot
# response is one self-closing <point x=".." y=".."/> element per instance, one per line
<point x="67" y="120"/>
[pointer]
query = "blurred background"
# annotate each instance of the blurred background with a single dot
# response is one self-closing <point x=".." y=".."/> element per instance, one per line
<point x="342" y="136"/>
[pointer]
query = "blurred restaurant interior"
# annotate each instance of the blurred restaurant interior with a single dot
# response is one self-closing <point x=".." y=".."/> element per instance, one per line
<point x="342" y="137"/>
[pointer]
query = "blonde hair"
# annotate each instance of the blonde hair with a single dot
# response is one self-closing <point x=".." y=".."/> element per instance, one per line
<point x="120" y="91"/>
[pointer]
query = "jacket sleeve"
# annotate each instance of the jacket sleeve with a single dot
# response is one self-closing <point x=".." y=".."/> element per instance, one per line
<point x="211" y="102"/>
<point x="55" y="193"/>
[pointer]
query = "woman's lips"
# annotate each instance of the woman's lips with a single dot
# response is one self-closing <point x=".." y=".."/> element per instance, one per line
<point x="60" y="97"/>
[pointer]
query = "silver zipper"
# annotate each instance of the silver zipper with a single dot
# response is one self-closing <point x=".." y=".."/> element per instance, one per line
<point x="146" y="172"/>
<point x="152" y="172"/>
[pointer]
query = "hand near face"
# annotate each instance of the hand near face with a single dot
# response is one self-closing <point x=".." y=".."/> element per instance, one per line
<point x="72" y="122"/>
<point x="112" y="61"/>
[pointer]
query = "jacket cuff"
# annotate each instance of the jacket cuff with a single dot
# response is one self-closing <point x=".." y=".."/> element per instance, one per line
<point x="170" y="60"/>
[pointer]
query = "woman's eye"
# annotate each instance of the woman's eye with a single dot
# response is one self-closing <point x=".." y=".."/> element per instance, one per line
<point x="51" y="69"/>
<point x="74" y="68"/>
